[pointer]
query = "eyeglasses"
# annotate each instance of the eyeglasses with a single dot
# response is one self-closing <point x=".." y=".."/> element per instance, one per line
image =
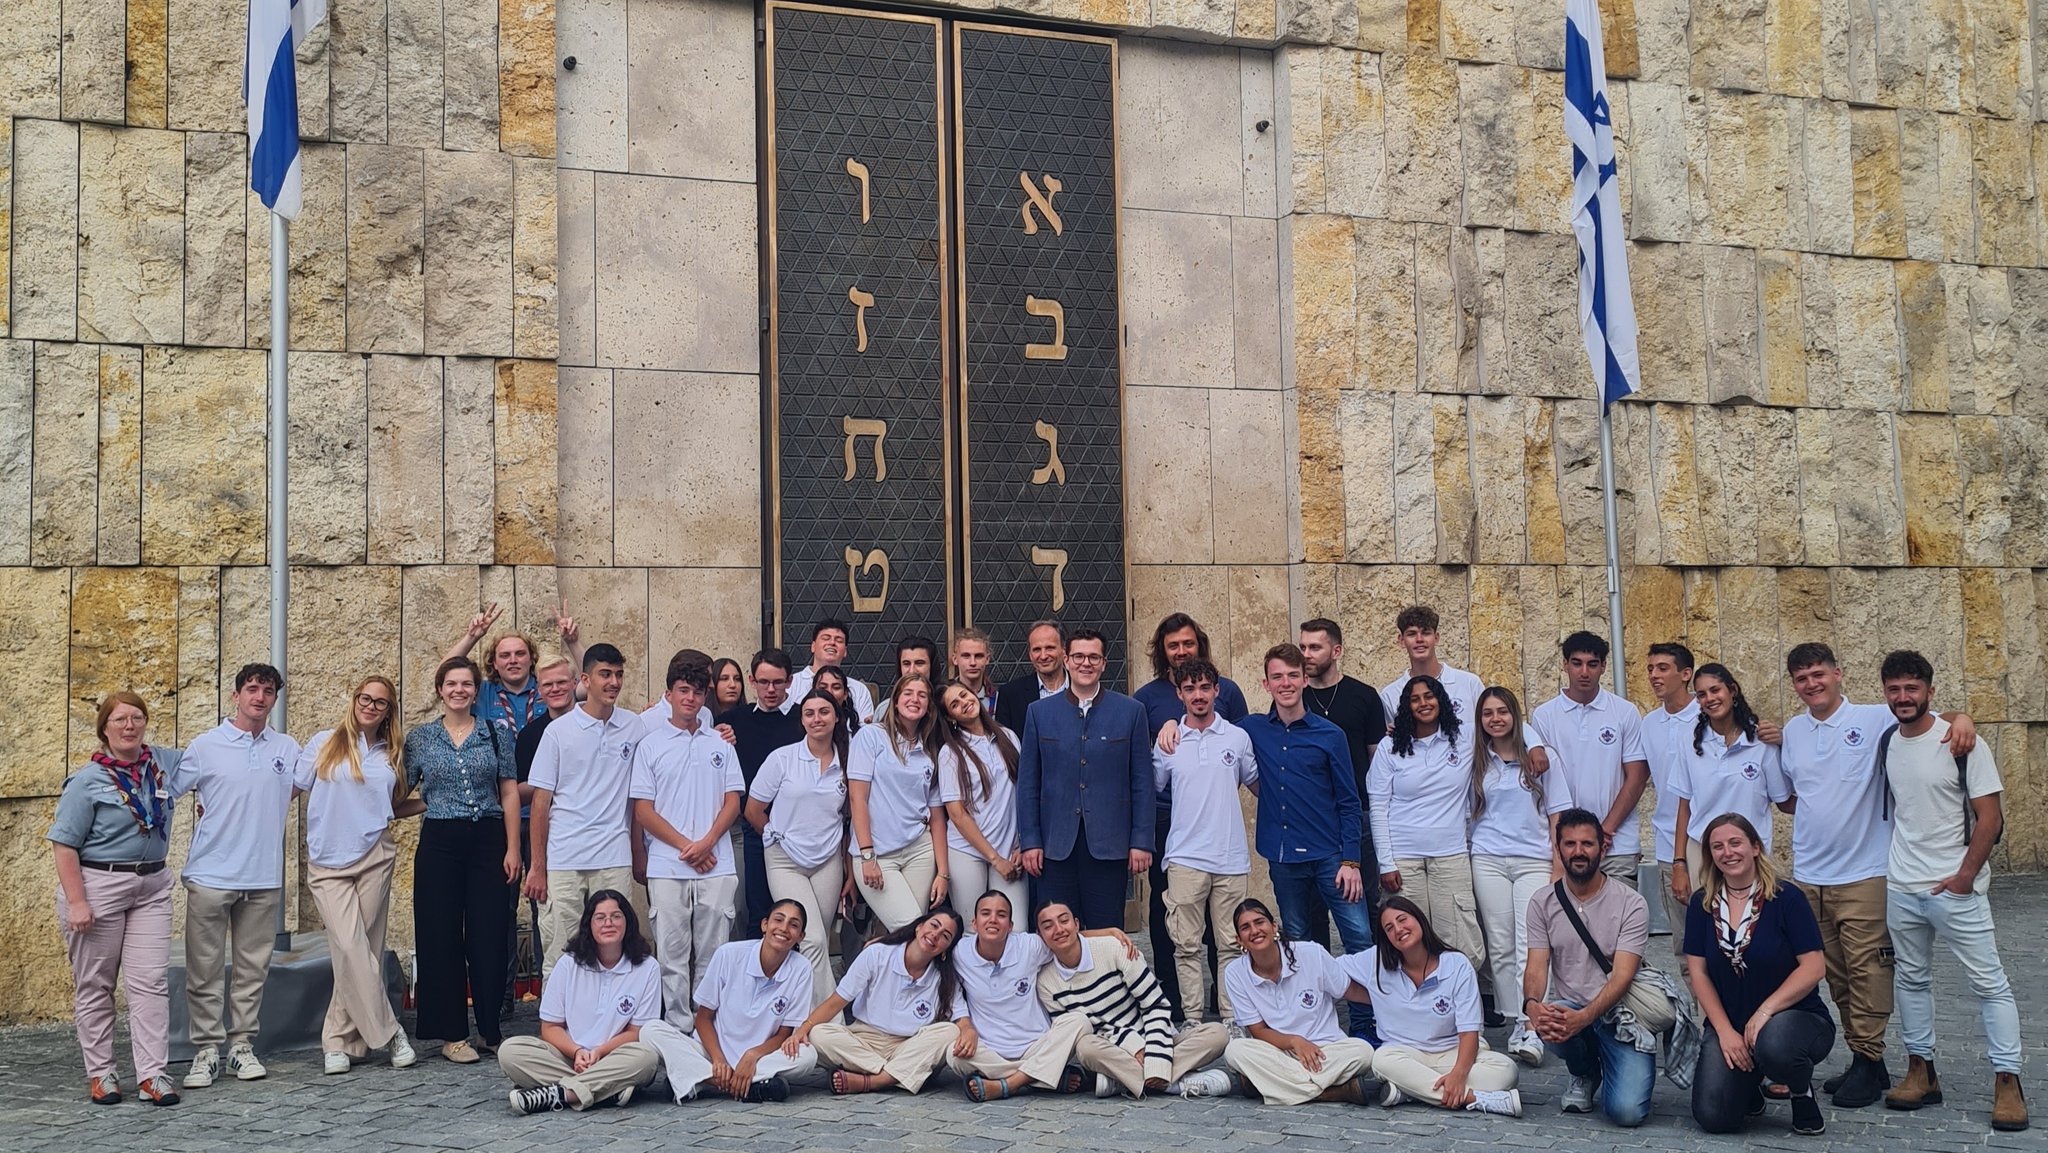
<point x="1086" y="658"/>
<point x="765" y="683"/>
<point x="374" y="704"/>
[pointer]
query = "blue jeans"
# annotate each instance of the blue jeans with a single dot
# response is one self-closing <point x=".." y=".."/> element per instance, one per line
<point x="1303" y="889"/>
<point x="1625" y="1074"/>
<point x="1965" y="923"/>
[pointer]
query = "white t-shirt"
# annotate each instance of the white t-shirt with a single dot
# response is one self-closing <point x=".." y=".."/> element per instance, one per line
<point x="1667" y="736"/>
<point x="1839" y="835"/>
<point x="1302" y="1003"/>
<point x="345" y="818"/>
<point x="1589" y="744"/>
<point x="1927" y="808"/>
<point x="1463" y="687"/>
<point x="1516" y="823"/>
<point x="884" y="994"/>
<point x="856" y="691"/>
<point x="1002" y="995"/>
<point x="1420" y="802"/>
<point x="806" y="805"/>
<point x="902" y="788"/>
<point x="994" y="811"/>
<point x="1205" y="770"/>
<point x="1747" y="778"/>
<point x="244" y="787"/>
<point x="688" y="777"/>
<point x="588" y="765"/>
<point x="661" y="710"/>
<point x="748" y="1004"/>
<point x="595" y="1005"/>
<point x="1428" y="1016"/>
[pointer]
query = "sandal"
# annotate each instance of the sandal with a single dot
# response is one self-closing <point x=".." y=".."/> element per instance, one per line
<point x="978" y="1089"/>
<point x="1072" y="1080"/>
<point x="843" y="1083"/>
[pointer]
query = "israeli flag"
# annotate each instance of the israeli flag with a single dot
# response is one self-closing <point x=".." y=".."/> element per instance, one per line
<point x="270" y="87"/>
<point x="1607" y="312"/>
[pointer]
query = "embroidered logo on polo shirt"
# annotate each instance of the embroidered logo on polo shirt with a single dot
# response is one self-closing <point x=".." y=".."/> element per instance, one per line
<point x="277" y="766"/>
<point x="1023" y="986"/>
<point x="1229" y="758"/>
<point x="841" y="783"/>
<point x="625" y="750"/>
<point x="1441" y="1006"/>
<point x="779" y="1006"/>
<point x="626" y="1005"/>
<point x="1608" y="736"/>
<point x="1749" y="771"/>
<point x="922" y="1010"/>
<point x="718" y="760"/>
<point x="1308" y="998"/>
<point x="1853" y="738"/>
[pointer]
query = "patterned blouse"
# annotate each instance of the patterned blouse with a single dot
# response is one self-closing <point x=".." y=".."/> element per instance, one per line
<point x="459" y="783"/>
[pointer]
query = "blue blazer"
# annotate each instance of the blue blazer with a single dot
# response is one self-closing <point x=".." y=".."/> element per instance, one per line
<point x="1097" y="768"/>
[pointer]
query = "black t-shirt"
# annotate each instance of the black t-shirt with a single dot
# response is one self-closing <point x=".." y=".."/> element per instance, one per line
<point x="1785" y="928"/>
<point x="757" y="732"/>
<point x="528" y="744"/>
<point x="1351" y="705"/>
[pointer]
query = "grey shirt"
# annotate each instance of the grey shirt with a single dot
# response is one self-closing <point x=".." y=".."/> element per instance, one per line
<point x="92" y="817"/>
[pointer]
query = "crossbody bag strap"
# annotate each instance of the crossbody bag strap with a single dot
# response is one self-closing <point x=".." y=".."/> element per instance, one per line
<point x="1564" y="902"/>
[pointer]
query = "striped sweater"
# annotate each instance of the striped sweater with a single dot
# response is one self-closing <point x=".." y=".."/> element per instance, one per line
<point x="1121" y="999"/>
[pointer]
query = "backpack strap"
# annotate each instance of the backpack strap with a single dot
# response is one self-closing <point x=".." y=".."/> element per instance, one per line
<point x="1884" y="744"/>
<point x="1564" y="902"/>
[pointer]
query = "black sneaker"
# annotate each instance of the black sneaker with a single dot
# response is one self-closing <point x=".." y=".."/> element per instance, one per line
<point x="546" y="1099"/>
<point x="1862" y="1084"/>
<point x="769" y="1089"/>
<point x="1756" y="1102"/>
<point x="1806" y="1116"/>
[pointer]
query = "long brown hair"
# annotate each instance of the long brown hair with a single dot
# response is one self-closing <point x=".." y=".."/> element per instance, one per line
<point x="963" y="753"/>
<point x="1710" y="881"/>
<point x="1383" y="946"/>
<point x="343" y="741"/>
<point x="924" y="732"/>
<point x="1482" y="750"/>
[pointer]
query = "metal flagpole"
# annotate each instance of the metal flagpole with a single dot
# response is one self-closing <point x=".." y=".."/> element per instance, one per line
<point x="1620" y="664"/>
<point x="280" y="573"/>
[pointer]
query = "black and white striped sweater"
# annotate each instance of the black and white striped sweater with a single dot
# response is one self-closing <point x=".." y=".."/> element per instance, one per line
<point x="1121" y="999"/>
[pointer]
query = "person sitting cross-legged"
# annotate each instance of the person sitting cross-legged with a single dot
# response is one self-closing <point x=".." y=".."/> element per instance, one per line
<point x="753" y="996"/>
<point x="592" y="1007"/>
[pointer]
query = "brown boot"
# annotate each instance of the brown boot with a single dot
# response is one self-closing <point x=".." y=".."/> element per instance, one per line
<point x="2008" y="1104"/>
<point x="1922" y="1086"/>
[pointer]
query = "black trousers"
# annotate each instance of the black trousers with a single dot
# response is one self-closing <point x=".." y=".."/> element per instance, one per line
<point x="459" y="917"/>
<point x="1091" y="887"/>
<point x="1787" y="1048"/>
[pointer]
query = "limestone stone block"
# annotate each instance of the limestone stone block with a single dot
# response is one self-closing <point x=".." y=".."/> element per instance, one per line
<point x="1486" y="121"/>
<point x="63" y="510"/>
<point x="1298" y="128"/>
<point x="1702" y="617"/>
<point x="34" y="619"/>
<point x="203" y="491"/>
<point x="316" y="75"/>
<point x="1823" y="177"/>
<point x="2030" y="320"/>
<point x="1880" y="209"/>
<point x="1369" y="597"/>
<point x="576" y="240"/>
<point x="1750" y="645"/>
<point x="342" y="625"/>
<point x="1259" y="619"/>
<point x="2025" y="447"/>
<point x="1179" y="319"/>
<point x="435" y="603"/>
<point x="468" y="460"/>
<point x="37" y="976"/>
<point x="1575" y="438"/>
<point x="244" y="629"/>
<point x="1384" y="294"/>
<point x="1496" y="624"/>
<point x="1382" y="24"/>
<point x="1659" y="168"/>
<point x="1653" y="605"/>
<point x="403" y="469"/>
<point x="1479" y="30"/>
<point x="131" y="218"/>
<point x="1290" y="441"/>
<point x="1161" y="466"/>
<point x="716" y="610"/>
<point x="1997" y="66"/>
<point x="124" y="635"/>
<point x="1983" y="339"/>
<point x="1819" y="529"/>
<point x="1634" y="487"/>
<point x="207" y="44"/>
<point x="1497" y="485"/>
<point x="1245" y="454"/>
<point x="469" y="77"/>
<point x="1258" y="106"/>
<point x="1784" y="336"/>
<point x="1446" y="329"/>
<point x="1780" y="539"/>
<point x="95" y="49"/>
<point x="1306" y="22"/>
<point x="536" y="308"/>
<point x="586" y="516"/>
<point x="120" y="456"/>
<point x="1987" y="510"/>
<point x="1675" y="473"/>
<point x="1457" y="516"/>
<point x="216" y="234"/>
<point x="6" y="213"/>
<point x="1540" y="487"/>
<point x="328" y="458"/>
<point x="1958" y="195"/>
<point x="1367" y="421"/>
<point x="31" y="52"/>
<point x="1662" y="52"/>
<point x="1734" y="327"/>
<point x="1542" y="357"/>
<point x="1984" y="665"/>
<point x="17" y="448"/>
<point x="415" y="71"/>
<point x="589" y="107"/>
<point x="147" y="95"/>
<point x="1868" y="509"/>
<point x="1851" y="318"/>
<point x="1355" y="159"/>
<point x="1543" y="186"/>
<point x="2003" y="182"/>
<point x="387" y="301"/>
<point x="1796" y="48"/>
<point x="1618" y="28"/>
<point x="1749" y="168"/>
<point x="1415" y="498"/>
<point x="526" y="75"/>
<point x="360" y="56"/>
<point x="690" y="88"/>
<point x="317" y="256"/>
<point x="1671" y="321"/>
<point x="658" y="418"/>
<point x="1449" y="591"/>
<point x="468" y="234"/>
<point x="1729" y="45"/>
<point x="1255" y="302"/>
<point x="1724" y="447"/>
<point x="1424" y="168"/>
<point x="649" y="226"/>
<point x="1931" y="478"/>
<point x="1911" y="44"/>
<point x="198" y="655"/>
<point x="611" y="604"/>
<point x="44" y="251"/>
<point x="1319" y="320"/>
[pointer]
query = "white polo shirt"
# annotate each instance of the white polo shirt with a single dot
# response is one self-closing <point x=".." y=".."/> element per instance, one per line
<point x="661" y="710"/>
<point x="595" y="1005"/>
<point x="1428" y="1016"/>
<point x="748" y="1005"/>
<point x="806" y="805"/>
<point x="687" y="776"/>
<point x="1746" y="778"/>
<point x="903" y="787"/>
<point x="856" y="691"/>
<point x="995" y="811"/>
<point x="588" y="765"/>
<point x="1423" y="799"/>
<point x="1589" y="743"/>
<point x="1002" y="995"/>
<point x="1463" y="687"/>
<point x="884" y="994"/>
<point x="1839" y="835"/>
<point x="345" y="818"/>
<point x="1927" y="843"/>
<point x="243" y="783"/>
<point x="1302" y="1003"/>
<point x="1516" y="823"/>
<point x="1205" y="770"/>
<point x="1667" y="736"/>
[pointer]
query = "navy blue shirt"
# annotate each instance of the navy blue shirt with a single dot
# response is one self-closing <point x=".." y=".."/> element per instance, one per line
<point x="1162" y="704"/>
<point x="1308" y="796"/>
<point x="1785" y="928"/>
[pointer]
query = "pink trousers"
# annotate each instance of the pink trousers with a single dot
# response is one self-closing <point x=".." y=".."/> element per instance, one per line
<point x="130" y="938"/>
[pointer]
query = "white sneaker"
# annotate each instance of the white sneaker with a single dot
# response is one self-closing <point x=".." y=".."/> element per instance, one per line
<point x="243" y="1064"/>
<point x="1206" y="1083"/>
<point x="1104" y="1087"/>
<point x="205" y="1067"/>
<point x="1578" y="1096"/>
<point x="402" y="1054"/>
<point x="623" y="1097"/>
<point x="1525" y="1046"/>
<point x="1391" y="1095"/>
<point x="334" y="1062"/>
<point x="1507" y="1103"/>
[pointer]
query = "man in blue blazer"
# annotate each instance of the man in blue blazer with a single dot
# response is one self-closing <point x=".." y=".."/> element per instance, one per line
<point x="1085" y="811"/>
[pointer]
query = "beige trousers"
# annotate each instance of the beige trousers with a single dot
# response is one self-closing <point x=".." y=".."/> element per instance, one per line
<point x="862" y="1048"/>
<point x="353" y="902"/>
<point x="1443" y="887"/>
<point x="1194" y="1048"/>
<point x="1414" y="1072"/>
<point x="219" y="922"/>
<point x="1858" y="946"/>
<point x="688" y="1066"/>
<point x="906" y="883"/>
<point x="1674" y="913"/>
<point x="1195" y="899"/>
<point x="562" y="913"/>
<point x="1623" y="867"/>
<point x="532" y="1063"/>
<point x="1043" y="1062"/>
<point x="973" y="876"/>
<point x="1282" y="1080"/>
<point x="817" y="890"/>
<point x="687" y="921"/>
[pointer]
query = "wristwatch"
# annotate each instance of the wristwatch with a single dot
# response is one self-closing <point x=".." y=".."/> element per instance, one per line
<point x="867" y="853"/>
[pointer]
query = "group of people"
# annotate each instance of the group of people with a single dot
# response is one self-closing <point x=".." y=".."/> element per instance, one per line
<point x="1464" y="852"/>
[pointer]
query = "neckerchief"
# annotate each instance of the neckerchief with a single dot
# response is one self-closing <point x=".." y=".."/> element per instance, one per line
<point x="533" y="707"/>
<point x="141" y="786"/>
<point x="1732" y="935"/>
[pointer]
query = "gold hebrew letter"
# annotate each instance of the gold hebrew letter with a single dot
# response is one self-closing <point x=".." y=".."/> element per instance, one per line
<point x="1042" y="201"/>
<point x="856" y="427"/>
<point x="862" y="301"/>
<point x="1052" y="469"/>
<point x="1057" y="558"/>
<point x="1057" y="349"/>
<point x="858" y="565"/>
<point x="859" y="171"/>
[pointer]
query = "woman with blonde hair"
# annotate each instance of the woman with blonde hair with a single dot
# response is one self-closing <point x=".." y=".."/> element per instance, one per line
<point x="110" y="840"/>
<point x="1513" y="813"/>
<point x="350" y="775"/>
<point x="978" y="783"/>
<point x="892" y="798"/>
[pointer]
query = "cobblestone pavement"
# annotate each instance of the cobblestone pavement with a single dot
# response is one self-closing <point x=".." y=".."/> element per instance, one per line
<point x="442" y="1106"/>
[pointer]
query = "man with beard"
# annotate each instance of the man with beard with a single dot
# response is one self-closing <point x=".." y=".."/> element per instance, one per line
<point x="1579" y="1025"/>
